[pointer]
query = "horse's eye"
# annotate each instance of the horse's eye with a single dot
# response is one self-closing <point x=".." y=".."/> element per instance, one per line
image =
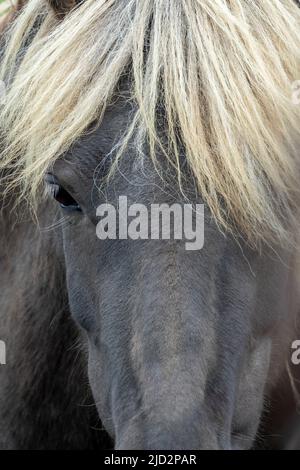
<point x="62" y="196"/>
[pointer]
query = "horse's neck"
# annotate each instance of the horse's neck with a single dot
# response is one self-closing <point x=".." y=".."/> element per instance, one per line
<point x="44" y="380"/>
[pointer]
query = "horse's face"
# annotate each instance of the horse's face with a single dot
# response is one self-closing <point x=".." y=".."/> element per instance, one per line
<point x="179" y="341"/>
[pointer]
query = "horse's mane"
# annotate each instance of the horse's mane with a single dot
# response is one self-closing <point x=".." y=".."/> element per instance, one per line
<point x="222" y="71"/>
<point x="11" y="13"/>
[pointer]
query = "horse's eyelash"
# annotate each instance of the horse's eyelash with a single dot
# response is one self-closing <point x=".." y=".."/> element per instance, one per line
<point x="51" y="189"/>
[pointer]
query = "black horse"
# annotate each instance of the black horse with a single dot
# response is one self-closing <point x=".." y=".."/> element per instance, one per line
<point x="170" y="348"/>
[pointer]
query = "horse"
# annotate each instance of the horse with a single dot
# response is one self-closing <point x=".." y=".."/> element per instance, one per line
<point x="140" y="343"/>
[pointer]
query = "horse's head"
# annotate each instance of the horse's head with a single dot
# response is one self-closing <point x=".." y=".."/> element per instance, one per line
<point x="179" y="340"/>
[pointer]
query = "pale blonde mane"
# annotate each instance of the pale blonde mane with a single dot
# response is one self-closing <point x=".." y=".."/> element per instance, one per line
<point x="222" y="69"/>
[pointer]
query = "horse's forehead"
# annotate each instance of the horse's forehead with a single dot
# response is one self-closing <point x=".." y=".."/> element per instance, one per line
<point x="100" y="139"/>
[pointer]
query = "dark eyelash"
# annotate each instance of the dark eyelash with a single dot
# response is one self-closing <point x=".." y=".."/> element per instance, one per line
<point x="56" y="191"/>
